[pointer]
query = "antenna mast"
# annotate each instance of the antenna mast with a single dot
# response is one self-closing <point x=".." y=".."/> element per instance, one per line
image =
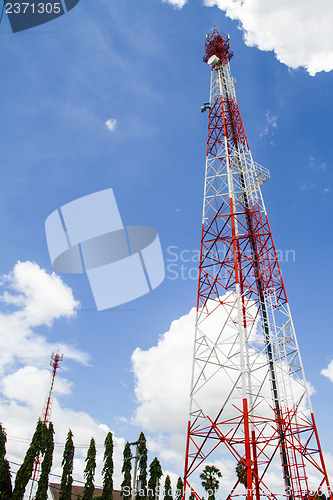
<point x="249" y="401"/>
<point x="55" y="363"/>
<point x="45" y="418"/>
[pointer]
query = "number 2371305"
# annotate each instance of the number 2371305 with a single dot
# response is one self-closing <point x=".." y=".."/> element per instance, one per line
<point x="33" y="8"/>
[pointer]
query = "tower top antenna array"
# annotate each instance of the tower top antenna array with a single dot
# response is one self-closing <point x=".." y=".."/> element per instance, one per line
<point x="217" y="45"/>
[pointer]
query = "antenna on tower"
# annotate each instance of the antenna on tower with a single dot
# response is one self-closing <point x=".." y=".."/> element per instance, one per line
<point x="55" y="363"/>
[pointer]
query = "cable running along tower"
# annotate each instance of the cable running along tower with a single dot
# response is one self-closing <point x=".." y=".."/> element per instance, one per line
<point x="249" y="400"/>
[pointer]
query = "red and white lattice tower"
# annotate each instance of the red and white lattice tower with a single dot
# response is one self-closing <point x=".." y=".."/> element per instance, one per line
<point x="55" y="363"/>
<point x="249" y="403"/>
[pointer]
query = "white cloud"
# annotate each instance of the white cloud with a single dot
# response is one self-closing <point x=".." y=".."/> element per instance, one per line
<point x="111" y="124"/>
<point x="32" y="297"/>
<point x="328" y="372"/>
<point x="41" y="297"/>
<point x="17" y="386"/>
<point x="178" y="4"/>
<point x="162" y="378"/>
<point x="298" y="32"/>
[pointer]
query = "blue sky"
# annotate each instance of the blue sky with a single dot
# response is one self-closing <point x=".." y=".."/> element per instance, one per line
<point x="140" y="63"/>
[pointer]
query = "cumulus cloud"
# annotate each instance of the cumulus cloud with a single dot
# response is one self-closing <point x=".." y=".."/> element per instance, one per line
<point x="41" y="297"/>
<point x="33" y="298"/>
<point x="299" y="34"/>
<point x="111" y="124"/>
<point x="162" y="386"/>
<point x="162" y="378"/>
<point x="17" y="386"/>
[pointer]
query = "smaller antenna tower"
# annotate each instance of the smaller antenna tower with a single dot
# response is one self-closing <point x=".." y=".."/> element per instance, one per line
<point x="55" y="363"/>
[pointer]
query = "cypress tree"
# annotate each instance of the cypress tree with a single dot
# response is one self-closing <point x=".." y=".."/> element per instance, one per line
<point x="47" y="450"/>
<point x="24" y="473"/>
<point x="67" y="469"/>
<point x="126" y="470"/>
<point x="180" y="489"/>
<point x="142" y="450"/>
<point x="167" y="489"/>
<point x="89" y="471"/>
<point x="5" y="477"/>
<point x="155" y="473"/>
<point x="107" y="471"/>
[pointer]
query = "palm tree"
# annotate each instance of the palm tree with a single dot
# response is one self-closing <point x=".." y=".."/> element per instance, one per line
<point x="241" y="473"/>
<point x="209" y="480"/>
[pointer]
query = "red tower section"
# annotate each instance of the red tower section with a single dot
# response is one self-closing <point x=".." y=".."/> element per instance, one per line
<point x="250" y="402"/>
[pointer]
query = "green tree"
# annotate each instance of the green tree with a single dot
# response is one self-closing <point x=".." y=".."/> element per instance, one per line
<point x="107" y="471"/>
<point x="89" y="471"/>
<point x="180" y="489"/>
<point x="142" y="451"/>
<point x="126" y="470"/>
<point x="5" y="477"/>
<point x="47" y="451"/>
<point x="24" y="473"/>
<point x="241" y="473"/>
<point x="155" y="473"/>
<point x="67" y="468"/>
<point x="209" y="480"/>
<point x="319" y="496"/>
<point x="167" y="489"/>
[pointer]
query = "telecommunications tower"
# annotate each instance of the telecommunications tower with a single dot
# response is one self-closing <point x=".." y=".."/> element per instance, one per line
<point x="249" y="405"/>
<point x="55" y="363"/>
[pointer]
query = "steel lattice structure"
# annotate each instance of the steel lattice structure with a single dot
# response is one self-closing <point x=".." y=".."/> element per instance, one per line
<point x="250" y="401"/>
<point x="55" y="363"/>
